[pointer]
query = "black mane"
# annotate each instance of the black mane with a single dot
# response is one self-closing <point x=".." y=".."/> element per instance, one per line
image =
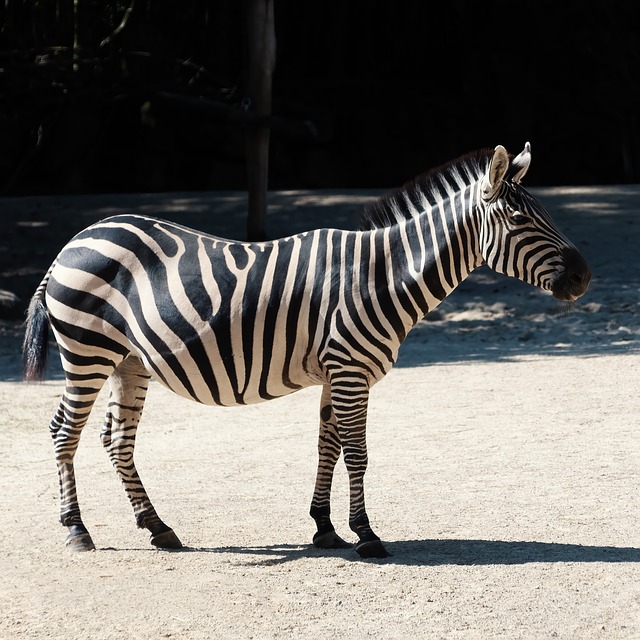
<point x="392" y="207"/>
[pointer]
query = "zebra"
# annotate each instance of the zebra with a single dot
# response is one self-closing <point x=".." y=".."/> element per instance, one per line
<point x="231" y="323"/>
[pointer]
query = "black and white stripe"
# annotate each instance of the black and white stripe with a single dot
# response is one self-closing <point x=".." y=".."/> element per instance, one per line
<point x="231" y="323"/>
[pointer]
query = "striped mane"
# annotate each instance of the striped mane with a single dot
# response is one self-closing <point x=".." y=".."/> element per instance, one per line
<point x="394" y="206"/>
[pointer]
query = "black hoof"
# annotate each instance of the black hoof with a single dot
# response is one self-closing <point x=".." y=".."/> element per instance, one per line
<point x="372" y="549"/>
<point x="166" y="540"/>
<point x="330" y="540"/>
<point x="79" y="542"/>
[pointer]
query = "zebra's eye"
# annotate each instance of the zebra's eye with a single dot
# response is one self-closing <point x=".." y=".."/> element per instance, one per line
<point x="519" y="218"/>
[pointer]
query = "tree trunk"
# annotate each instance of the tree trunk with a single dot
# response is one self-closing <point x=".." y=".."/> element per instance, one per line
<point x="260" y="63"/>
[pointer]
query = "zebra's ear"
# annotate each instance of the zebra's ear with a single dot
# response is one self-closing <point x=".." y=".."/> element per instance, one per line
<point x="497" y="170"/>
<point x="520" y="164"/>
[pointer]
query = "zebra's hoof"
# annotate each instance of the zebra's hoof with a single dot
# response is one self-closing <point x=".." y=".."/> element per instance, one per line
<point x="79" y="542"/>
<point x="372" y="549"/>
<point x="330" y="540"/>
<point x="166" y="540"/>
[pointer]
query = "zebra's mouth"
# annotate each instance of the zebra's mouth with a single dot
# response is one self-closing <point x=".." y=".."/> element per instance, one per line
<point x="565" y="296"/>
<point x="569" y="289"/>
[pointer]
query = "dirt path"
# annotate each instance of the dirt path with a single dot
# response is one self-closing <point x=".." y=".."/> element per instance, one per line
<point x="504" y="476"/>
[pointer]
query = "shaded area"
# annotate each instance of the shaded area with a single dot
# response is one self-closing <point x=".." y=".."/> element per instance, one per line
<point x="489" y="317"/>
<point x="482" y="552"/>
<point x="431" y="553"/>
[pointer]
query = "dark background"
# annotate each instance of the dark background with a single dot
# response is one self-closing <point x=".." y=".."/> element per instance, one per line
<point x="366" y="94"/>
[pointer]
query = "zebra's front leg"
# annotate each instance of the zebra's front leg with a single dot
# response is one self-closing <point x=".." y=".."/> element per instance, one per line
<point x="128" y="390"/>
<point x="329" y="448"/>
<point x="349" y="398"/>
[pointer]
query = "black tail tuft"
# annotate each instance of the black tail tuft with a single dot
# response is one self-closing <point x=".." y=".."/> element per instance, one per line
<point x="35" y="347"/>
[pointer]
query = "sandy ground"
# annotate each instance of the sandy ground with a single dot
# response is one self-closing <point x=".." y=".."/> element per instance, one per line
<point x="504" y="465"/>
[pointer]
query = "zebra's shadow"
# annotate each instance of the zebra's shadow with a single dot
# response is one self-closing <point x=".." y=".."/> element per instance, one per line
<point x="440" y="552"/>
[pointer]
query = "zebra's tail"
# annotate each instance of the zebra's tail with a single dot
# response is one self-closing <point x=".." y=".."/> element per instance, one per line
<point x="35" y="348"/>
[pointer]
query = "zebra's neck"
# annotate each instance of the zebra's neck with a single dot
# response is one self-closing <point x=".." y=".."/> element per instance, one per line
<point x="430" y="253"/>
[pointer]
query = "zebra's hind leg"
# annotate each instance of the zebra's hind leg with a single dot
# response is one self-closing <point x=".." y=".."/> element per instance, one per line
<point x="66" y="428"/>
<point x="128" y="389"/>
<point x="329" y="448"/>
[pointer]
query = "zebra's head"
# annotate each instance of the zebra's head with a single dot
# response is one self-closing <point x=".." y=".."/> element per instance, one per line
<point x="518" y="237"/>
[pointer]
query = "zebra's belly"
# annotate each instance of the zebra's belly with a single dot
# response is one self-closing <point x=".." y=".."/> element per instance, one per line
<point x="217" y="387"/>
<point x="213" y="373"/>
<point x="204" y="392"/>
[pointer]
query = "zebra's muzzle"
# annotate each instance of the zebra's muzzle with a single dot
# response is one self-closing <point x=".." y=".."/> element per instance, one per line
<point x="574" y="280"/>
